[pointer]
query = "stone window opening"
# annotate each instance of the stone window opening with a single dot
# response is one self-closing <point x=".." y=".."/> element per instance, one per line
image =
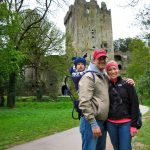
<point x="120" y="67"/>
<point x="104" y="44"/>
<point x="118" y="58"/>
<point x="87" y="11"/>
<point x="92" y="31"/>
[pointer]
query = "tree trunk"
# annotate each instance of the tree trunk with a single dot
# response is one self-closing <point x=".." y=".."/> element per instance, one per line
<point x="38" y="86"/>
<point x="2" y="99"/>
<point x="11" y="90"/>
<point x="39" y="94"/>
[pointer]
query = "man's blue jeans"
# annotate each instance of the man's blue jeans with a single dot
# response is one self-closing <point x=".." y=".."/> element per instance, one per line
<point x="88" y="141"/>
<point x="120" y="135"/>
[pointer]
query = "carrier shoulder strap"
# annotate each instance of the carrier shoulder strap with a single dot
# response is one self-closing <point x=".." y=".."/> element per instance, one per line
<point x="92" y="72"/>
<point x="99" y="76"/>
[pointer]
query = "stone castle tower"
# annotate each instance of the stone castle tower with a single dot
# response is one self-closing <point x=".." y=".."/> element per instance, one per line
<point x="90" y="26"/>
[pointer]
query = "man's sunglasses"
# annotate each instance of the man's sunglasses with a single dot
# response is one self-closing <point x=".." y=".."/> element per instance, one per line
<point x="102" y="58"/>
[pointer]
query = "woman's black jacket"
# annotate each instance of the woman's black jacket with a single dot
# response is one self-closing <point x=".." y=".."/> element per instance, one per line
<point x="123" y="101"/>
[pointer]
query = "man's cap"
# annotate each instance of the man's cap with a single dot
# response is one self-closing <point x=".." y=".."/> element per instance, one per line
<point x="99" y="53"/>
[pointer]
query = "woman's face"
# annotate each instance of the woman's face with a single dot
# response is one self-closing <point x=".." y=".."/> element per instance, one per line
<point x="113" y="72"/>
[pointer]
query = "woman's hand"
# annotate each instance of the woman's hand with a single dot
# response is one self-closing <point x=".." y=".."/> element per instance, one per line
<point x="130" y="81"/>
<point x="133" y="131"/>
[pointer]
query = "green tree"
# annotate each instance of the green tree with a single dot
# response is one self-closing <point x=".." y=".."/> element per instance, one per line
<point x="10" y="58"/>
<point x="140" y="58"/>
<point x="42" y="40"/>
<point x="144" y="80"/>
<point x="14" y="34"/>
<point x="143" y="85"/>
<point x="138" y="69"/>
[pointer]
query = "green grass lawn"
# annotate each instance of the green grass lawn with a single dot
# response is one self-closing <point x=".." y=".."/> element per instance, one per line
<point x="32" y="120"/>
<point x="142" y="140"/>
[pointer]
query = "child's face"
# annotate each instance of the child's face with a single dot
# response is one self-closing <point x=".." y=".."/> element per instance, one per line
<point x="80" y="67"/>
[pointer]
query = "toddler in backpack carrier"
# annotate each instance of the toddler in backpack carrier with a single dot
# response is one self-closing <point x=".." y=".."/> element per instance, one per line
<point x="76" y="72"/>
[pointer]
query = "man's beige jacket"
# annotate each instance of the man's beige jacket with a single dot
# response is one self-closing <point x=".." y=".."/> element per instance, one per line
<point x="94" y="97"/>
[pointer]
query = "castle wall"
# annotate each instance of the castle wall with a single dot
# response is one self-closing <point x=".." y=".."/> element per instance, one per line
<point x="90" y="26"/>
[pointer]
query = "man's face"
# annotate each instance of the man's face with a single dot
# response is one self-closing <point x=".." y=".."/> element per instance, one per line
<point x="80" y="67"/>
<point x="100" y="62"/>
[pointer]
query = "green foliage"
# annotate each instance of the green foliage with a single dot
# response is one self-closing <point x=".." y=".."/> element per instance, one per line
<point x="10" y="62"/>
<point x="10" y="57"/>
<point x="70" y="51"/>
<point x="26" y="34"/>
<point x="27" y="46"/>
<point x="43" y="38"/>
<point x="140" y="58"/>
<point x="146" y="102"/>
<point x="41" y="41"/>
<point x="138" y="69"/>
<point x="143" y="85"/>
<point x="20" y="125"/>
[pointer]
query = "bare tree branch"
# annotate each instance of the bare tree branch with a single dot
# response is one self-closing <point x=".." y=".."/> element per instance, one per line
<point x="131" y="3"/>
<point x="9" y="4"/>
<point x="47" y="5"/>
<point x="20" y="5"/>
<point x="143" y="17"/>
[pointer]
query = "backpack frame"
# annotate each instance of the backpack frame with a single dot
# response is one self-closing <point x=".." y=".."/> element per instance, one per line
<point x="74" y="100"/>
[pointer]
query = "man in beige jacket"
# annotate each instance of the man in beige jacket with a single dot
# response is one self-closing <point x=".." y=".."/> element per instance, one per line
<point x="94" y="103"/>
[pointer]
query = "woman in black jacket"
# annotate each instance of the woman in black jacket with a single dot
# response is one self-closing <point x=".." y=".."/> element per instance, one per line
<point x="124" y="109"/>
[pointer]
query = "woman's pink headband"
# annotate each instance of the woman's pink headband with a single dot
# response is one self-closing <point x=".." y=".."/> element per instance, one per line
<point x="110" y="64"/>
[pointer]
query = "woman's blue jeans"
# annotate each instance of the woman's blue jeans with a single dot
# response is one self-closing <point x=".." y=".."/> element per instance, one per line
<point x="88" y="141"/>
<point x="120" y="135"/>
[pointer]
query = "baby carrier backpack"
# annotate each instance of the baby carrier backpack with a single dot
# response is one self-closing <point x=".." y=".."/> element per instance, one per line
<point x="75" y="100"/>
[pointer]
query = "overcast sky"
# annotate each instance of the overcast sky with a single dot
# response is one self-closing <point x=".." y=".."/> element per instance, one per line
<point x="123" y="18"/>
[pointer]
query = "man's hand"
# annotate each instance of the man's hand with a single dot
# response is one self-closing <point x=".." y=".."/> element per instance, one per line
<point x="130" y="81"/>
<point x="97" y="131"/>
